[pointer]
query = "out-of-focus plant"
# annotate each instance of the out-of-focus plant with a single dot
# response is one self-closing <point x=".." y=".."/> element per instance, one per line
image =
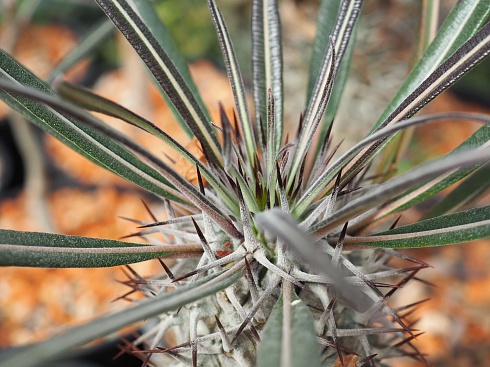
<point x="283" y="252"/>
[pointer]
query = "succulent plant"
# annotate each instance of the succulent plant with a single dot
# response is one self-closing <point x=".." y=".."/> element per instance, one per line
<point x="283" y="251"/>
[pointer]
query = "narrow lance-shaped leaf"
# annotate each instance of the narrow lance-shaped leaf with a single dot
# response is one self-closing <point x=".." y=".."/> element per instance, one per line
<point x="469" y="225"/>
<point x="326" y="20"/>
<point x="267" y="65"/>
<point x="146" y="10"/>
<point x="472" y="188"/>
<point x="325" y="25"/>
<point x="478" y="140"/>
<point x="235" y="77"/>
<point x="165" y="72"/>
<point x="290" y="320"/>
<point x="396" y="186"/>
<point x="451" y="70"/>
<point x="464" y="21"/>
<point x="465" y="58"/>
<point x="348" y="15"/>
<point x="428" y="22"/>
<point x="321" y="183"/>
<point x="337" y="90"/>
<point x="169" y="174"/>
<point x="46" y="250"/>
<point x="86" y="141"/>
<point x="40" y="354"/>
<point x="93" y="102"/>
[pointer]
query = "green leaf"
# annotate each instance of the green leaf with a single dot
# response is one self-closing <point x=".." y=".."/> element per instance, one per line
<point x="157" y="28"/>
<point x="470" y="225"/>
<point x="321" y="183"/>
<point x="47" y="250"/>
<point x="320" y="97"/>
<point x="293" y="323"/>
<point x="325" y="23"/>
<point x="451" y="70"/>
<point x="81" y="138"/>
<point x="472" y="188"/>
<point x="41" y="353"/>
<point x="396" y="186"/>
<point x="235" y="78"/>
<point x="267" y="68"/>
<point x="166" y="73"/>
<point x="93" y="102"/>
<point x="427" y="190"/>
<point x="463" y="22"/>
<point x="169" y="174"/>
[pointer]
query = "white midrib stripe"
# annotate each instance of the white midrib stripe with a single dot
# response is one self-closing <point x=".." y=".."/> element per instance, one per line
<point x="169" y="75"/>
<point x="402" y="236"/>
<point x="101" y="147"/>
<point x="420" y="97"/>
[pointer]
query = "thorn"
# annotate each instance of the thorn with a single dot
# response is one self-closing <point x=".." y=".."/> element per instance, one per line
<point x="340" y="241"/>
<point x="395" y="222"/>
<point x="300" y="123"/>
<point x="161" y="223"/>
<point x="131" y="219"/>
<point x="368" y="358"/>
<point x="332" y="153"/>
<point x="279" y="179"/>
<point x="199" y="179"/>
<point x="124" y="296"/>
<point x="243" y="326"/>
<point x="173" y="161"/>
<point x="220" y="325"/>
<point x="149" y="211"/>
<point x="191" y="273"/>
<point x="194" y="354"/>
<point x="199" y="232"/>
<point x="146" y="360"/>
<point x="348" y="191"/>
<point x="261" y="129"/>
<point x="327" y="135"/>
<point x="136" y="234"/>
<point x="136" y="275"/>
<point x="250" y="277"/>
<point x="166" y="268"/>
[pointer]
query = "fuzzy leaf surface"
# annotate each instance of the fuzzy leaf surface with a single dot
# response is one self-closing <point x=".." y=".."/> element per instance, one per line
<point x="464" y="21"/>
<point x="47" y="250"/>
<point x="165" y="72"/>
<point x="79" y="137"/>
<point x="396" y="186"/>
<point x="148" y="14"/>
<point x="469" y="225"/>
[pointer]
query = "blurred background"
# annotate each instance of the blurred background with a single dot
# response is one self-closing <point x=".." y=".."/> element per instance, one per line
<point x="46" y="187"/>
